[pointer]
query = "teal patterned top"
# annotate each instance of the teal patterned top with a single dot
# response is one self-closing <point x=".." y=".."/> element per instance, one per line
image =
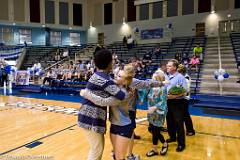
<point x="156" y="96"/>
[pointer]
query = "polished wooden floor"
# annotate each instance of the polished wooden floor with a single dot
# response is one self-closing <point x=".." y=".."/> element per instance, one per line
<point x="62" y="139"/>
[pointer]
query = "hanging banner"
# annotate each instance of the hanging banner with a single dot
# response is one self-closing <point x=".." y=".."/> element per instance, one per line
<point x="152" y="33"/>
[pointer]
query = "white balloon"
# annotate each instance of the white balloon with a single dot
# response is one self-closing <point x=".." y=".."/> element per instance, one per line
<point x="220" y="78"/>
<point x="222" y="71"/>
<point x="216" y="73"/>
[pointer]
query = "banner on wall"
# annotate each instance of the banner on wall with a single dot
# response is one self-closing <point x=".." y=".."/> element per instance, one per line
<point x="22" y="78"/>
<point x="152" y="33"/>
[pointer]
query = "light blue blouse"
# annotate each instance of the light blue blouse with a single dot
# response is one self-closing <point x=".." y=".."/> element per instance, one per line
<point x="156" y="96"/>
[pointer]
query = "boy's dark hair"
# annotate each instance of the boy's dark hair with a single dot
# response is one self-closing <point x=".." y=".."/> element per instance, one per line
<point x="102" y="58"/>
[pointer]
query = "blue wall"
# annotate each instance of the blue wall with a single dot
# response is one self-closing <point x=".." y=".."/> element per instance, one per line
<point x="38" y="35"/>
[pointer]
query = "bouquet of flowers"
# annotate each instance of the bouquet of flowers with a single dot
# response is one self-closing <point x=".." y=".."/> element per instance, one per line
<point x="177" y="90"/>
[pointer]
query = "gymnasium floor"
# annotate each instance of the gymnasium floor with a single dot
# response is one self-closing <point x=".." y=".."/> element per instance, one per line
<point x="35" y="134"/>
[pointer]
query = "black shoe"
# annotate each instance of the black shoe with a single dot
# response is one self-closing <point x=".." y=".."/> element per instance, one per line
<point x="163" y="129"/>
<point x="136" y="136"/>
<point x="180" y="148"/>
<point x="238" y="81"/>
<point x="170" y="140"/>
<point x="190" y="133"/>
<point x="164" y="150"/>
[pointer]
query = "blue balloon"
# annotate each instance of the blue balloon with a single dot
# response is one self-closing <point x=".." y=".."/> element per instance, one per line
<point x="8" y="69"/>
<point x="36" y="70"/>
<point x="216" y="76"/>
<point x="226" y="75"/>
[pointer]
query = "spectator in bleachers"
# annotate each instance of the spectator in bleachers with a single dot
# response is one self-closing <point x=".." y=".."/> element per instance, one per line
<point x="65" y="54"/>
<point x="185" y="60"/>
<point x="194" y="63"/>
<point x="125" y="41"/>
<point x="25" y="44"/>
<point x="187" y="118"/>
<point x="59" y="72"/>
<point x="178" y="57"/>
<point x="49" y="77"/>
<point x="147" y="58"/>
<point x="197" y="51"/>
<point x="157" y="53"/>
<point x="130" y="42"/>
<point x="57" y="55"/>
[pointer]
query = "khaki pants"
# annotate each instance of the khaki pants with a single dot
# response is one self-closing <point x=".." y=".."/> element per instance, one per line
<point x="96" y="144"/>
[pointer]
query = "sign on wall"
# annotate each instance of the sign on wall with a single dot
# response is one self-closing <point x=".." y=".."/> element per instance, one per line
<point x="22" y="78"/>
<point x="152" y="33"/>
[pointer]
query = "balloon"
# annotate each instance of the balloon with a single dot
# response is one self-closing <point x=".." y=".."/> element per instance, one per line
<point x="8" y="69"/>
<point x="220" y="78"/>
<point x="216" y="76"/>
<point x="226" y="75"/>
<point x="216" y="72"/>
<point x="222" y="71"/>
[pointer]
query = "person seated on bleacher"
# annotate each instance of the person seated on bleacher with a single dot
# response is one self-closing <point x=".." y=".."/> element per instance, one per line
<point x="49" y="77"/>
<point x="185" y="60"/>
<point x="194" y="63"/>
<point x="57" y="55"/>
<point x="67" y="72"/>
<point x="198" y="52"/>
<point x="59" y="71"/>
<point x="147" y="58"/>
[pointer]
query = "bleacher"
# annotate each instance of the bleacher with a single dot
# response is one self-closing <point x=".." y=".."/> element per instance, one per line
<point x="181" y="45"/>
<point x="196" y="76"/>
<point x="46" y="54"/>
<point x="235" y="38"/>
<point x="35" y="54"/>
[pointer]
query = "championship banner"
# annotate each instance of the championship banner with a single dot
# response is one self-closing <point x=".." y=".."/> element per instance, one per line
<point x="152" y="33"/>
<point x="22" y="78"/>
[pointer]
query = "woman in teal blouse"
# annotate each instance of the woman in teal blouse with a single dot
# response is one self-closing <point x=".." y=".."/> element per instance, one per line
<point x="157" y="111"/>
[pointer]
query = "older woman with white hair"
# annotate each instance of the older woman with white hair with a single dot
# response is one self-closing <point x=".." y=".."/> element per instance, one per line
<point x="157" y="111"/>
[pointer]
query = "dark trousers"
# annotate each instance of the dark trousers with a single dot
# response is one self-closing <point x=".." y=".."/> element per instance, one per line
<point x="156" y="135"/>
<point x="175" y="119"/>
<point x="4" y="79"/>
<point x="48" y="79"/>
<point x="187" y="117"/>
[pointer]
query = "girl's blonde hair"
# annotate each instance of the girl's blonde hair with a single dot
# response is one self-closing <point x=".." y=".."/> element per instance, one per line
<point x="182" y="69"/>
<point x="129" y="73"/>
<point x="158" y="75"/>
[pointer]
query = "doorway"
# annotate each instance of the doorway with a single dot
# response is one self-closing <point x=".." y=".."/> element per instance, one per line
<point x="200" y="29"/>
